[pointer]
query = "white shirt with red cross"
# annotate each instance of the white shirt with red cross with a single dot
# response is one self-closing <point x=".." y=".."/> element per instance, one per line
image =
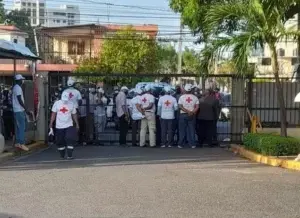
<point x="146" y="100"/>
<point x="64" y="111"/>
<point x="188" y="101"/>
<point x="74" y="95"/>
<point x="168" y="105"/>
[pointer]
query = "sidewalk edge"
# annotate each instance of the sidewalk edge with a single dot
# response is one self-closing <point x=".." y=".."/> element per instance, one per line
<point x="271" y="161"/>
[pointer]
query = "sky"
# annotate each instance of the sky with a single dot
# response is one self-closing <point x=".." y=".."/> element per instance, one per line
<point x="129" y="12"/>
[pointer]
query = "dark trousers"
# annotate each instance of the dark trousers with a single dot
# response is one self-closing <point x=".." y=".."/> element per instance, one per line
<point x="215" y="133"/>
<point x="135" y="130"/>
<point x="123" y="130"/>
<point x="82" y="129"/>
<point x="175" y="128"/>
<point x="186" y="130"/>
<point x="66" y="139"/>
<point x="167" y="136"/>
<point x="158" y="131"/>
<point x="205" y="131"/>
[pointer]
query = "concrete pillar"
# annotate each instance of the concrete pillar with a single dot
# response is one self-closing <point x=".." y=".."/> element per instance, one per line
<point x="42" y="119"/>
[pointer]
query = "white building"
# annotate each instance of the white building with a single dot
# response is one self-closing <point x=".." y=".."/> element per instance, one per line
<point x="12" y="34"/>
<point x="36" y="9"/>
<point x="65" y="15"/>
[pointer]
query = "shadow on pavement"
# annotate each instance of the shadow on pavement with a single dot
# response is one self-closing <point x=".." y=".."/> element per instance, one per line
<point x="119" y="156"/>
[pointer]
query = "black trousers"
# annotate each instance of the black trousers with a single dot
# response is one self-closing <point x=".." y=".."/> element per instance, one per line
<point x="167" y="136"/>
<point x="66" y="139"/>
<point x="82" y="129"/>
<point x="135" y="130"/>
<point x="205" y="131"/>
<point x="124" y="125"/>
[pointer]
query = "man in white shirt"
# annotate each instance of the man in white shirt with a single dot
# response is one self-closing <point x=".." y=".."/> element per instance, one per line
<point x="19" y="110"/>
<point x="64" y="113"/>
<point x="100" y="113"/>
<point x="136" y="114"/>
<point x="123" y="114"/>
<point x="188" y="105"/>
<point x="148" y="106"/>
<point x="167" y="105"/>
<point x="73" y="93"/>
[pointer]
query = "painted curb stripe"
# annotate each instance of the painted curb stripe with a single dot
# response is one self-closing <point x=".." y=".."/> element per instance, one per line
<point x="272" y="161"/>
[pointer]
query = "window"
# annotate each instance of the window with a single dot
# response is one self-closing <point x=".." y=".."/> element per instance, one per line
<point x="28" y="4"/>
<point x="59" y="14"/>
<point x="58" y="21"/>
<point x="281" y="52"/>
<point x="16" y="41"/>
<point x="266" y="61"/>
<point x="34" y="21"/>
<point x="34" y="12"/>
<point x="294" y="61"/>
<point x="64" y="21"/>
<point x="34" y="4"/>
<point x="42" y="21"/>
<point x="76" y="48"/>
<point x="23" y="4"/>
<point x="42" y="12"/>
<point x="42" y="4"/>
<point x="295" y="52"/>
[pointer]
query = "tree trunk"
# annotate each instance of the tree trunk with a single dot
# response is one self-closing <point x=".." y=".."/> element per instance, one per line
<point x="280" y="96"/>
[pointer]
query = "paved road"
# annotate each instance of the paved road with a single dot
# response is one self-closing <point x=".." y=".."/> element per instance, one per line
<point x="144" y="182"/>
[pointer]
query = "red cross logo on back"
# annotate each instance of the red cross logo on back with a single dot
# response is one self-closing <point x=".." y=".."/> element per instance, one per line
<point x="188" y="100"/>
<point x="71" y="95"/>
<point x="144" y="100"/>
<point x="167" y="103"/>
<point x="64" y="110"/>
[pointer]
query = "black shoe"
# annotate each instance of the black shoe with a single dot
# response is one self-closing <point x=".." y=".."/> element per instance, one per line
<point x="70" y="158"/>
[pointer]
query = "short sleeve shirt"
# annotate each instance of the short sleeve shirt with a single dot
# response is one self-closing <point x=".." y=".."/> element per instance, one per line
<point x="74" y="95"/>
<point x="136" y="114"/>
<point x="120" y="102"/>
<point x="168" y="105"/>
<point x="146" y="100"/>
<point x="188" y="101"/>
<point x="64" y="113"/>
<point x="17" y="90"/>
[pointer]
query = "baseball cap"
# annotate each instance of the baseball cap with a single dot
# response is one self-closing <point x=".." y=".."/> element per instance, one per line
<point x="19" y="77"/>
<point x="65" y="96"/>
<point x="188" y="87"/>
<point x="70" y="82"/>
<point x="124" y="88"/>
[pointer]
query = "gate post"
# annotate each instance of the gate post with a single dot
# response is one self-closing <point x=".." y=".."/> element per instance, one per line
<point x="42" y="121"/>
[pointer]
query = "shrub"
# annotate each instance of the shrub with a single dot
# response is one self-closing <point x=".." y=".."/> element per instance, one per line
<point x="271" y="144"/>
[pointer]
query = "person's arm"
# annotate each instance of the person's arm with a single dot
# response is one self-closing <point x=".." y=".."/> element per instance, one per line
<point x="53" y="115"/>
<point x="175" y="105"/>
<point x="79" y="98"/>
<point x="159" y="106"/>
<point x="19" y="97"/>
<point x="75" y="118"/>
<point x="18" y="92"/>
<point x="196" y="107"/>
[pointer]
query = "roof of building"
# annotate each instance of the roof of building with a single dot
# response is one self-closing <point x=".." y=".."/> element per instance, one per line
<point x="12" y="28"/>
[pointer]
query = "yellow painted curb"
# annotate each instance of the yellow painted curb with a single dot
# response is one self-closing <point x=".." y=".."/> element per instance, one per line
<point x="272" y="161"/>
<point x="32" y="147"/>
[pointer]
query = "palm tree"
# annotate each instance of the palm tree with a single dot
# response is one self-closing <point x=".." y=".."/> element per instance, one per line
<point x="262" y="23"/>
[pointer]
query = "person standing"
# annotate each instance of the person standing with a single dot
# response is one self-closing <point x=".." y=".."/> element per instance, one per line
<point x="177" y="95"/>
<point x="167" y="105"/>
<point x="83" y="119"/>
<point x="189" y="105"/>
<point x="91" y="110"/>
<point x="136" y="114"/>
<point x="20" y="111"/>
<point x="73" y="93"/>
<point x="100" y="113"/>
<point x="207" y="116"/>
<point x="148" y="106"/>
<point x="64" y="113"/>
<point x="123" y="115"/>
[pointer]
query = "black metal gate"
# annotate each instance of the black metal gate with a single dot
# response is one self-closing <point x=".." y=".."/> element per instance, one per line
<point x="230" y="125"/>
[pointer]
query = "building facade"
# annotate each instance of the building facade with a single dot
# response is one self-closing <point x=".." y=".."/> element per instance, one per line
<point x="35" y="8"/>
<point x="65" y="15"/>
<point x="13" y="34"/>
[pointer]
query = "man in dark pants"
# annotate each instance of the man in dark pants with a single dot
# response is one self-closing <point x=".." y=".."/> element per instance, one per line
<point x="176" y="120"/>
<point x="208" y="113"/>
<point x="123" y="115"/>
<point x="136" y="115"/>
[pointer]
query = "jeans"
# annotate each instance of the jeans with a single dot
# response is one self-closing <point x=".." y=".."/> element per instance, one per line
<point x="20" y="119"/>
<point x="167" y="135"/>
<point x="148" y="122"/>
<point x="187" y="129"/>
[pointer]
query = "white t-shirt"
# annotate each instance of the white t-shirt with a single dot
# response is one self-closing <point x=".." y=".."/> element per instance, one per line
<point x="135" y="113"/>
<point x="120" y="102"/>
<point x="100" y="109"/>
<point x="168" y="105"/>
<point x="188" y="101"/>
<point x="146" y="100"/>
<point x="74" y="95"/>
<point x="17" y="90"/>
<point x="64" y="113"/>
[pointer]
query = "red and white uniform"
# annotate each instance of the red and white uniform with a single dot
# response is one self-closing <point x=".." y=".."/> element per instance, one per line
<point x="64" y="111"/>
<point x="168" y="105"/>
<point x="74" y="95"/>
<point x="188" y="101"/>
<point x="146" y="100"/>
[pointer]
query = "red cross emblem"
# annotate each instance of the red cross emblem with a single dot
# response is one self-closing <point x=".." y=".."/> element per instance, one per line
<point x="167" y="103"/>
<point x="71" y="95"/>
<point x="188" y="100"/>
<point x="63" y="110"/>
<point x="144" y="100"/>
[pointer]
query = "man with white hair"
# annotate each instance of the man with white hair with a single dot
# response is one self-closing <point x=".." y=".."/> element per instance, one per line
<point x="100" y="113"/>
<point x="189" y="105"/>
<point x="137" y="114"/>
<point x="148" y="106"/>
<point x="123" y="115"/>
<point x="167" y="105"/>
<point x="73" y="93"/>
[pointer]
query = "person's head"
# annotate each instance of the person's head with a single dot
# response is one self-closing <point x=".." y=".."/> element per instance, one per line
<point x="92" y="90"/>
<point x="124" y="89"/>
<point x="70" y="82"/>
<point x="208" y="92"/>
<point x="188" y="88"/>
<point x="167" y="90"/>
<point x="19" y="79"/>
<point x="101" y="91"/>
<point x="65" y="97"/>
<point x="178" y="89"/>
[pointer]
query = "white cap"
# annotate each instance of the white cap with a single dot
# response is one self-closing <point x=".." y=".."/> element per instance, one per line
<point x="19" y="77"/>
<point x="124" y="88"/>
<point x="70" y="82"/>
<point x="65" y="96"/>
<point x="138" y="91"/>
<point x="167" y="89"/>
<point x="100" y="90"/>
<point x="147" y="88"/>
<point x="188" y="87"/>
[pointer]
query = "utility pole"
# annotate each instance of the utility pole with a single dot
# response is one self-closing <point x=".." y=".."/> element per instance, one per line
<point x="179" y="66"/>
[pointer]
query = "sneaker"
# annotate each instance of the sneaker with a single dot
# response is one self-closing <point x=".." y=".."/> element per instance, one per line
<point x="70" y="158"/>
<point x="163" y="146"/>
<point x="194" y="147"/>
<point x="179" y="146"/>
<point x="170" y="146"/>
<point x="22" y="147"/>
